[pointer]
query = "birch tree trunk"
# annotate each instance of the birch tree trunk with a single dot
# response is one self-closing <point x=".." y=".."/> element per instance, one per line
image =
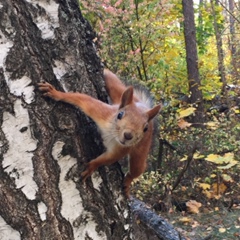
<point x="44" y="144"/>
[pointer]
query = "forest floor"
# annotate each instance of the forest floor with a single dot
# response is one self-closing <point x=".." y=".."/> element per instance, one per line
<point x="220" y="224"/>
<point x="198" y="195"/>
<point x="199" y="218"/>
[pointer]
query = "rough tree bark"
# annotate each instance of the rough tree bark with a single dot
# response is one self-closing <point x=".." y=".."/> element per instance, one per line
<point x="43" y="144"/>
<point x="192" y="60"/>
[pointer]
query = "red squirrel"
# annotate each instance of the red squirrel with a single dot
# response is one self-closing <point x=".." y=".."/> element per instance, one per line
<point x="126" y="126"/>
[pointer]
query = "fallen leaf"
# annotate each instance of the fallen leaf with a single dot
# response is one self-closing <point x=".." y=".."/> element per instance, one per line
<point x="185" y="220"/>
<point x="229" y="165"/>
<point x="218" y="159"/>
<point x="186" y="112"/>
<point x="222" y="230"/>
<point x="197" y="155"/>
<point x="183" y="124"/>
<point x="237" y="234"/>
<point x="237" y="111"/>
<point x="184" y="158"/>
<point x="183" y="188"/>
<point x="204" y="186"/>
<point x="227" y="178"/>
<point x="216" y="196"/>
<point x="193" y="206"/>
<point x="209" y="228"/>
<point x="195" y="224"/>
<point x="207" y="193"/>
<point x="218" y="188"/>
<point x="212" y="125"/>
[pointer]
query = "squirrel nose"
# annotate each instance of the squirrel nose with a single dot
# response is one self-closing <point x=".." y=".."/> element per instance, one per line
<point x="128" y="135"/>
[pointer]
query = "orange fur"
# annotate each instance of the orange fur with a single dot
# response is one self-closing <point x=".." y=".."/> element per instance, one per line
<point x="126" y="126"/>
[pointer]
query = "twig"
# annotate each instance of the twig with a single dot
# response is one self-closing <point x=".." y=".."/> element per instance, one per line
<point x="235" y="18"/>
<point x="189" y="159"/>
<point x="164" y="141"/>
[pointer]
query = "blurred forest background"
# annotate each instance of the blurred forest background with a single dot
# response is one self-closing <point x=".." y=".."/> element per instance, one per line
<point x="188" y="54"/>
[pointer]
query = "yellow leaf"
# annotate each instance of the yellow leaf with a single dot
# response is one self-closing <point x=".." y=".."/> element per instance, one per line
<point x="217" y="159"/>
<point x="184" y="158"/>
<point x="197" y="155"/>
<point x="185" y="220"/>
<point x="231" y="164"/>
<point x="212" y="157"/>
<point x="213" y="175"/>
<point x="227" y="178"/>
<point x="207" y="193"/>
<point x="212" y="125"/>
<point x="186" y="112"/>
<point x="237" y="111"/>
<point x="204" y="186"/>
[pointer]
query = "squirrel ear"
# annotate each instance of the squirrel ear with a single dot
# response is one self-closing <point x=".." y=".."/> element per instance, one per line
<point x="153" y="112"/>
<point x="127" y="97"/>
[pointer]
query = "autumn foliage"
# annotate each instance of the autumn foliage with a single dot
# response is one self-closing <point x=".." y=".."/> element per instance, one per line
<point x="144" y="40"/>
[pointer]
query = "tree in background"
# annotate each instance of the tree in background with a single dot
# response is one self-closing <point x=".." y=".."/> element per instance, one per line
<point x="218" y="36"/>
<point x="233" y="19"/>
<point x="135" y="41"/>
<point x="194" y="82"/>
<point x="145" y="40"/>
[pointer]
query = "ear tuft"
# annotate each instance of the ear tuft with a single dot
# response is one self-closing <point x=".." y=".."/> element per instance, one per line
<point x="127" y="97"/>
<point x="153" y="112"/>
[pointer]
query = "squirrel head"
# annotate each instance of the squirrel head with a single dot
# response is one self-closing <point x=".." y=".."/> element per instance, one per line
<point x="133" y="119"/>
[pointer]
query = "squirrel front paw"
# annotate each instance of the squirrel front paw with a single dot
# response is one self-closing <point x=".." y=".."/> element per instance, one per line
<point x="49" y="91"/>
<point x="126" y="191"/>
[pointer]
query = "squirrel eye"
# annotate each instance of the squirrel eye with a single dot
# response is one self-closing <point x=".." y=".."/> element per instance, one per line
<point x="145" y="128"/>
<point x="120" y="115"/>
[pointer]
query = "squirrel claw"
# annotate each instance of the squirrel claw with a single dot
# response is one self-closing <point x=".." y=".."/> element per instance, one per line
<point x="85" y="174"/>
<point x="49" y="91"/>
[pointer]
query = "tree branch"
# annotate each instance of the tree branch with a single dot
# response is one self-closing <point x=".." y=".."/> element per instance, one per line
<point x="149" y="220"/>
